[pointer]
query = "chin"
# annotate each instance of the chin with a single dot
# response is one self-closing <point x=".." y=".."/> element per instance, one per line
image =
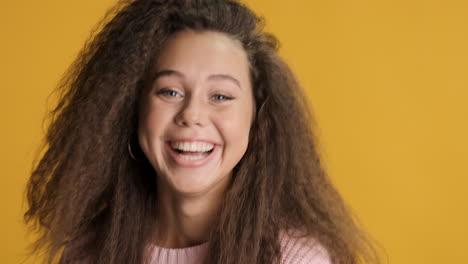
<point x="196" y="186"/>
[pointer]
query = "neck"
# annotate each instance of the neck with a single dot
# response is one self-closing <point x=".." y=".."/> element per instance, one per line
<point x="185" y="220"/>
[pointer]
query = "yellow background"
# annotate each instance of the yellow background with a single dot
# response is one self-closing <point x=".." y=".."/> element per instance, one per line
<point x="387" y="79"/>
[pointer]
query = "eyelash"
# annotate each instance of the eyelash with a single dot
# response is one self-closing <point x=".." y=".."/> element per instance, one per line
<point x="168" y="92"/>
<point x="165" y="92"/>
<point x="227" y="98"/>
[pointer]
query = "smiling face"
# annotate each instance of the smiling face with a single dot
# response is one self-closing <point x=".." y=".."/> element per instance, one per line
<point x="195" y="116"/>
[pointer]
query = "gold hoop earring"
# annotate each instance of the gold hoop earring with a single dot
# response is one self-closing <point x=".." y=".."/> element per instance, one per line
<point x="263" y="104"/>
<point x="131" y="152"/>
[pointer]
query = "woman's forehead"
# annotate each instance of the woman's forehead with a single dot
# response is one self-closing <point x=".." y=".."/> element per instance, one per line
<point x="202" y="52"/>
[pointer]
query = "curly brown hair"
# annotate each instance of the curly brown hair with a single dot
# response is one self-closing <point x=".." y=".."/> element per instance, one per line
<point x="86" y="189"/>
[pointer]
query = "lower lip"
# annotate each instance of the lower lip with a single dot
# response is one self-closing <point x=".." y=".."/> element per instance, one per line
<point x="191" y="163"/>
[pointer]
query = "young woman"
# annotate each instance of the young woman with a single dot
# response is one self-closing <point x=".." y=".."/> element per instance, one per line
<point x="182" y="137"/>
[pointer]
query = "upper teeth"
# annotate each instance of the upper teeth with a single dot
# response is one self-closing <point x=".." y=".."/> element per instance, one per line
<point x="192" y="146"/>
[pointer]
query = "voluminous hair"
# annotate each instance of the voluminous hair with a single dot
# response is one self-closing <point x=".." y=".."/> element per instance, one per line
<point x="87" y="195"/>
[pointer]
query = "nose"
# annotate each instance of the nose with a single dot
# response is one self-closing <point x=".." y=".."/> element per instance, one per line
<point x="192" y="113"/>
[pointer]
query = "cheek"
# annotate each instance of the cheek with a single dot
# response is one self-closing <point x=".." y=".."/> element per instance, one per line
<point x="152" y="123"/>
<point x="157" y="116"/>
<point x="236" y="128"/>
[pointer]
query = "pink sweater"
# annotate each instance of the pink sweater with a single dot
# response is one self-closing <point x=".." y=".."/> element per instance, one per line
<point x="294" y="251"/>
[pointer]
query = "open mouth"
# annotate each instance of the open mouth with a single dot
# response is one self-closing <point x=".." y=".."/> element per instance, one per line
<point x="188" y="155"/>
<point x="192" y="151"/>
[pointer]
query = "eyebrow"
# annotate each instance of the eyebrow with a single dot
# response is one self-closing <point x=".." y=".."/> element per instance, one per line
<point x="226" y="77"/>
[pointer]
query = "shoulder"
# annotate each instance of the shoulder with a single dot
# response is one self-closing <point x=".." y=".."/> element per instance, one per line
<point x="301" y="250"/>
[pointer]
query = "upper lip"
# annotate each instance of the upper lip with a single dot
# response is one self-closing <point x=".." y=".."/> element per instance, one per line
<point x="191" y="140"/>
